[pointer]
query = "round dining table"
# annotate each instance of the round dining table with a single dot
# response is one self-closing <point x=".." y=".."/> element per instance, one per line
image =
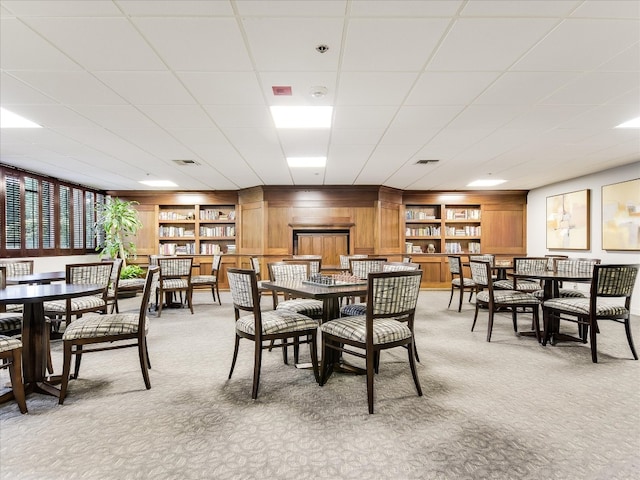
<point x="34" y="326"/>
<point x="36" y="278"/>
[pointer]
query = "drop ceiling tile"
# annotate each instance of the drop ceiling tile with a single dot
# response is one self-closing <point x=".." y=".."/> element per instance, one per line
<point x="576" y="45"/>
<point x="115" y="116"/>
<point x="632" y="97"/>
<point x="363" y="116"/>
<point x="449" y="88"/>
<point x="422" y="117"/>
<point x="626" y="61"/>
<point x="356" y="136"/>
<point x="301" y="84"/>
<point x="154" y="141"/>
<point x="23" y="49"/>
<point x="487" y="116"/>
<point x="182" y="8"/>
<point x="545" y="117"/>
<point x="223" y="88"/>
<point x="405" y="8"/>
<point x="500" y="8"/>
<point x="304" y="143"/>
<point x="594" y="88"/>
<point x="106" y="142"/>
<point x="196" y="43"/>
<point x="147" y="88"/>
<point x="61" y="8"/>
<point x="401" y="44"/>
<point x="508" y="89"/>
<point x="285" y="8"/>
<point x="608" y="9"/>
<point x="603" y="117"/>
<point x="345" y="162"/>
<point x="240" y="116"/>
<point x="53" y="116"/>
<point x="374" y="89"/>
<point x="451" y="141"/>
<point x="178" y="116"/>
<point x="83" y="40"/>
<point x="14" y="91"/>
<point x="70" y="87"/>
<point x="384" y="162"/>
<point x="307" y="176"/>
<point x="396" y="135"/>
<point x="287" y="44"/>
<point x="488" y="44"/>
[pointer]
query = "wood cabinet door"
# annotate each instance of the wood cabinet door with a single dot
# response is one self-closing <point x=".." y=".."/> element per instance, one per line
<point x="329" y="245"/>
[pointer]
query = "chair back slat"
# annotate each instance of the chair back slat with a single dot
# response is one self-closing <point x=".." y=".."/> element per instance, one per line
<point x="18" y="267"/>
<point x="362" y="267"/>
<point x="393" y="294"/>
<point x="89" y="273"/>
<point x="289" y="271"/>
<point x="455" y="265"/>
<point x="530" y="264"/>
<point x="175" y="267"/>
<point x="243" y="286"/>
<point x="315" y="261"/>
<point x="481" y="272"/>
<point x="577" y="266"/>
<point x="399" y="266"/>
<point x="344" y="260"/>
<point x="487" y="257"/>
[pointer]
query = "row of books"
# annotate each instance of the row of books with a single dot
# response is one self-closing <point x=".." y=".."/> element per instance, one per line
<point x="463" y="231"/>
<point x="218" y="231"/>
<point x="423" y="232"/>
<point x="215" y="214"/>
<point x="456" y="247"/>
<point x="175" y="249"/>
<point x="167" y="231"/>
<point x="462" y="214"/>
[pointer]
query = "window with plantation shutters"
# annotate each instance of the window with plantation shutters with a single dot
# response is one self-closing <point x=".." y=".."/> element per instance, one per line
<point x="48" y="215"/>
<point x="13" y="226"/>
<point x="65" y="217"/>
<point x="100" y="199"/>
<point x="31" y="213"/>
<point x="90" y="216"/>
<point x="78" y="218"/>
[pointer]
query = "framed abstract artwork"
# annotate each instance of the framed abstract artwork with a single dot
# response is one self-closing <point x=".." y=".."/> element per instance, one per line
<point x="568" y="225"/>
<point x="621" y="216"/>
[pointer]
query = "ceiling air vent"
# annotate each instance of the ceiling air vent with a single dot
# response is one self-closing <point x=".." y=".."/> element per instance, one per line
<point x="425" y="162"/>
<point x="186" y="162"/>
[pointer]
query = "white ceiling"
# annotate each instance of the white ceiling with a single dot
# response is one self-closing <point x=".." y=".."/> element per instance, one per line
<point x="527" y="91"/>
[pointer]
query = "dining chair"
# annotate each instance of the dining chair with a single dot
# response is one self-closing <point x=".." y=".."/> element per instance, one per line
<point x="96" y="273"/>
<point x="609" y="299"/>
<point x="360" y="267"/>
<point x="344" y="260"/>
<point x="255" y="265"/>
<point x="11" y="356"/>
<point x="486" y="257"/>
<point x="264" y="328"/>
<point x="295" y="271"/>
<point x="524" y="265"/>
<point x="493" y="299"/>
<point x="577" y="266"/>
<point x="211" y="280"/>
<point x="175" y="277"/>
<point x="16" y="268"/>
<point x="459" y="281"/>
<point x="114" y="331"/>
<point x="392" y="296"/>
<point x="114" y="283"/>
<point x="315" y="261"/>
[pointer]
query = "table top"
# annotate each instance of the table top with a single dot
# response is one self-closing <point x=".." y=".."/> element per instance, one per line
<point x="42" y="277"/>
<point x="316" y="291"/>
<point x="40" y="293"/>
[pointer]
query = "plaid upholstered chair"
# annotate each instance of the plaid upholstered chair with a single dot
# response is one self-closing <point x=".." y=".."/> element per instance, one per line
<point x="344" y="260"/>
<point x="392" y="296"/>
<point x="113" y="331"/>
<point x="11" y="356"/>
<point x="609" y="299"/>
<point x="293" y="271"/>
<point x="493" y="300"/>
<point x="360" y="267"/>
<point x="98" y="273"/>
<point x="264" y="328"/>
<point x="255" y="265"/>
<point x="16" y="268"/>
<point x="524" y="265"/>
<point x="175" y="277"/>
<point x="315" y="261"/>
<point x="459" y="281"/>
<point x="211" y="280"/>
<point x="577" y="266"/>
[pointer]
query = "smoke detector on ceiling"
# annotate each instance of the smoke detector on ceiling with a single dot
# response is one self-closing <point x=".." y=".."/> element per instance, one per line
<point x="318" y="91"/>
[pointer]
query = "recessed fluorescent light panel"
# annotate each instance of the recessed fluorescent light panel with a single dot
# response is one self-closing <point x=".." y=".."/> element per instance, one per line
<point x="302" y="117"/>
<point x="158" y="183"/>
<point x="303" y="162"/>
<point x="633" y="123"/>
<point x="485" y="183"/>
<point x="13" y="120"/>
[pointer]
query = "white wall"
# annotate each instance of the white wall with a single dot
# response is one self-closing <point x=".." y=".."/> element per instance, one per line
<point x="57" y="264"/>
<point x="536" y="219"/>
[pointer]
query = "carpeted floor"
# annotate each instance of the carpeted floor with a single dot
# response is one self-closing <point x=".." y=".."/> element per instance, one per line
<point x="509" y="409"/>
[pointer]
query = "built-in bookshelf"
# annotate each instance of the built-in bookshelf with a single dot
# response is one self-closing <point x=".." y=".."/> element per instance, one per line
<point x="443" y="228"/>
<point x="196" y="229"/>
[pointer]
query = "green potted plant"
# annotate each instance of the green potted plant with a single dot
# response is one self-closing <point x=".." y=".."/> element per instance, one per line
<point x="118" y="219"/>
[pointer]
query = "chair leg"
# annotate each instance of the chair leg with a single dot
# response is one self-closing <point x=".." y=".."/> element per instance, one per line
<point x="475" y="317"/>
<point x="218" y="293"/>
<point x="76" y="370"/>
<point x="189" y="296"/>
<point x="414" y="373"/>
<point x="159" y="303"/>
<point x="514" y="318"/>
<point x="370" y="361"/>
<point x="257" y="363"/>
<point x="15" y="373"/>
<point x="66" y="371"/>
<point x="451" y="296"/>
<point x="490" y="326"/>
<point x="627" y="328"/>
<point x="235" y="355"/>
<point x="326" y="364"/>
<point x="592" y="338"/>
<point x="313" y="347"/>
<point x="213" y="292"/>
<point x="146" y="349"/>
<point x="142" y="354"/>
<point x="460" y="301"/>
<point x="536" y="322"/>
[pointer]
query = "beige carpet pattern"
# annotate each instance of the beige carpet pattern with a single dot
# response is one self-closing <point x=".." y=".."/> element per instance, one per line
<point x="509" y="409"/>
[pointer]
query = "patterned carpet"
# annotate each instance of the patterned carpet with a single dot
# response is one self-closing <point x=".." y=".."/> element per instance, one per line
<point x="509" y="409"/>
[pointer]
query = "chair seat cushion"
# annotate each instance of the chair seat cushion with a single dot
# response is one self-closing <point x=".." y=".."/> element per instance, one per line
<point x="77" y="304"/>
<point x="580" y="306"/>
<point x="523" y="285"/>
<point x="467" y="282"/>
<point x="385" y="330"/>
<point x="353" y="310"/>
<point x="304" y="306"/>
<point x="94" y="325"/>
<point x="175" y="283"/>
<point x="508" y="297"/>
<point x="273" y="322"/>
<point x="10" y="322"/>
<point x="203" y="279"/>
<point x="9" y="343"/>
<point x="564" y="292"/>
